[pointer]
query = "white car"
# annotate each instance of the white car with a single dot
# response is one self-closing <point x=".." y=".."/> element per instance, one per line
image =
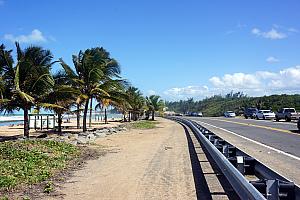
<point x="229" y="114"/>
<point x="265" y="114"/>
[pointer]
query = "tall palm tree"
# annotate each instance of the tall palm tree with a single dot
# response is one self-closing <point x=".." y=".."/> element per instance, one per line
<point x="26" y="81"/>
<point x="92" y="68"/>
<point x="154" y="103"/>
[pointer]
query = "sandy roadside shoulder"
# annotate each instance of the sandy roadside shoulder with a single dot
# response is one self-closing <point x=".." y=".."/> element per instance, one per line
<point x="142" y="164"/>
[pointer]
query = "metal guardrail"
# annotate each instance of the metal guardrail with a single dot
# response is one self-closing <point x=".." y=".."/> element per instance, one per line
<point x="271" y="182"/>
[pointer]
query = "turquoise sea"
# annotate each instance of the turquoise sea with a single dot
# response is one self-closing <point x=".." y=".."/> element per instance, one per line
<point x="15" y="119"/>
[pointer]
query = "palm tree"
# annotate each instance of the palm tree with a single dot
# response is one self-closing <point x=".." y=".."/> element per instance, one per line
<point x="115" y="95"/>
<point x="63" y="96"/>
<point x="26" y="81"/>
<point x="136" y="101"/>
<point x="154" y="103"/>
<point x="92" y="68"/>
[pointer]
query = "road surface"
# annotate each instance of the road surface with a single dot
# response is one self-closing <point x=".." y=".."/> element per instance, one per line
<point x="275" y="144"/>
<point x="280" y="135"/>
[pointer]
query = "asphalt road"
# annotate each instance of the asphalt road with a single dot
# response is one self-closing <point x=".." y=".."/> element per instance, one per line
<point x="280" y="135"/>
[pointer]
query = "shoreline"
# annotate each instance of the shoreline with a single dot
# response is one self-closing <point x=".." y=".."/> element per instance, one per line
<point x="17" y="130"/>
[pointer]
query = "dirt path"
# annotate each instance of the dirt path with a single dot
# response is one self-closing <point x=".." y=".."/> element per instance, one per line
<point x="143" y="164"/>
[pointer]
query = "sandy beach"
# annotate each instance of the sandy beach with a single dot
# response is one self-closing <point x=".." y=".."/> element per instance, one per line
<point x="17" y="130"/>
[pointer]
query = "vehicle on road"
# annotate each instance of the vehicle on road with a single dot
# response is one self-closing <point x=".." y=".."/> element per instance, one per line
<point x="265" y="114"/>
<point x="229" y="114"/>
<point x="197" y="114"/>
<point x="287" y="114"/>
<point x="250" y="113"/>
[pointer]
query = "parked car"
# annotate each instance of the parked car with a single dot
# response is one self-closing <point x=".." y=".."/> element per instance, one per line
<point x="196" y="114"/>
<point x="250" y="113"/>
<point x="229" y="114"/>
<point x="265" y="114"/>
<point x="287" y="114"/>
<point x="298" y="124"/>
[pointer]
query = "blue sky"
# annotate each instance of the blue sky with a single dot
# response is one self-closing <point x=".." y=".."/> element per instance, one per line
<point x="176" y="49"/>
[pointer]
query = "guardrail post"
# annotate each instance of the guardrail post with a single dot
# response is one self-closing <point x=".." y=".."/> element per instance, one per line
<point x="226" y="151"/>
<point x="211" y="138"/>
<point x="240" y="164"/>
<point x="216" y="142"/>
<point x="272" y="189"/>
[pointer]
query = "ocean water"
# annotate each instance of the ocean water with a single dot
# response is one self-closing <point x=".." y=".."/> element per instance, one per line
<point x="16" y="119"/>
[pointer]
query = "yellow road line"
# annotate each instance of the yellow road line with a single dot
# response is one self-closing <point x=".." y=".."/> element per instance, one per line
<point x="257" y="126"/>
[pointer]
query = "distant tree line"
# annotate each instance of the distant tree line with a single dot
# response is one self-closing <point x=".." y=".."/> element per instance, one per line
<point x="237" y="102"/>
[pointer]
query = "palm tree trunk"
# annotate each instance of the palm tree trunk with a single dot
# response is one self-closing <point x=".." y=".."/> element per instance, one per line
<point x="105" y="116"/>
<point x="129" y="116"/>
<point x="153" y="113"/>
<point x="90" y="118"/>
<point x="26" y="123"/>
<point x="78" y="116"/>
<point x="86" y="107"/>
<point x="124" y="116"/>
<point x="59" y="120"/>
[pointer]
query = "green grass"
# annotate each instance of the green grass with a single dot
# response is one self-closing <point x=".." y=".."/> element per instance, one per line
<point x="144" y="124"/>
<point x="32" y="161"/>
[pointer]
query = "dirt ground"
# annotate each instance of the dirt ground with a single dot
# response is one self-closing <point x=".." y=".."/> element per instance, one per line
<point x="141" y="164"/>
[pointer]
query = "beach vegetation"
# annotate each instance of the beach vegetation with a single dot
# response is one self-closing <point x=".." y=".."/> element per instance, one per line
<point x="144" y="124"/>
<point x="32" y="161"/>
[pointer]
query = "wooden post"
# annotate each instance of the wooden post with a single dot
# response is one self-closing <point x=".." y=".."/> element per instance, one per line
<point x="53" y="121"/>
<point x="47" y="122"/>
<point x="41" y="122"/>
<point x="35" y="122"/>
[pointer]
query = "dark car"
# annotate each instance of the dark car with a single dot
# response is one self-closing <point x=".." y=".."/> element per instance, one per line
<point x="250" y="113"/>
<point x="298" y="124"/>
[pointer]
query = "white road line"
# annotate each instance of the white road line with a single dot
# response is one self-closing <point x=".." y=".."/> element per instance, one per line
<point x="259" y="143"/>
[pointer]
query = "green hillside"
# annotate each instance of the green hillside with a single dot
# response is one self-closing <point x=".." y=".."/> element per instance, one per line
<point x="217" y="105"/>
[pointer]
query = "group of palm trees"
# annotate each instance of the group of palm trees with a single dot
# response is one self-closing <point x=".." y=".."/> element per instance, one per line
<point x="28" y="84"/>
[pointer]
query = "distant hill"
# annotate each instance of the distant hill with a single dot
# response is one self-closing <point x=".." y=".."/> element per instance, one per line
<point x="237" y="102"/>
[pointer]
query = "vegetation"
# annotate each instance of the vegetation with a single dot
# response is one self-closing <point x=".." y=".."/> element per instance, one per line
<point x="154" y="103"/>
<point x="144" y="124"/>
<point x="32" y="161"/>
<point x="28" y="83"/>
<point x="25" y="82"/>
<point x="237" y="102"/>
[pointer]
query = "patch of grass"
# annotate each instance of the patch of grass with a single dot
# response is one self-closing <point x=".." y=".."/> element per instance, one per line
<point x="144" y="124"/>
<point x="32" y="161"/>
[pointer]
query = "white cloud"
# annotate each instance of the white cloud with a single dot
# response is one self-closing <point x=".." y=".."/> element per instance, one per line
<point x="258" y="83"/>
<point x="273" y="34"/>
<point x="189" y="91"/>
<point x="266" y="75"/>
<point x="236" y="81"/>
<point x="151" y="92"/>
<point x="272" y="59"/>
<point x="264" y="82"/>
<point x="35" y="36"/>
<point x="256" y="31"/>
<point x="293" y="30"/>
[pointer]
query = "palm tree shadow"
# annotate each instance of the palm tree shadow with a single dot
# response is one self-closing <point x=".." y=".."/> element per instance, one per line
<point x="9" y="138"/>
